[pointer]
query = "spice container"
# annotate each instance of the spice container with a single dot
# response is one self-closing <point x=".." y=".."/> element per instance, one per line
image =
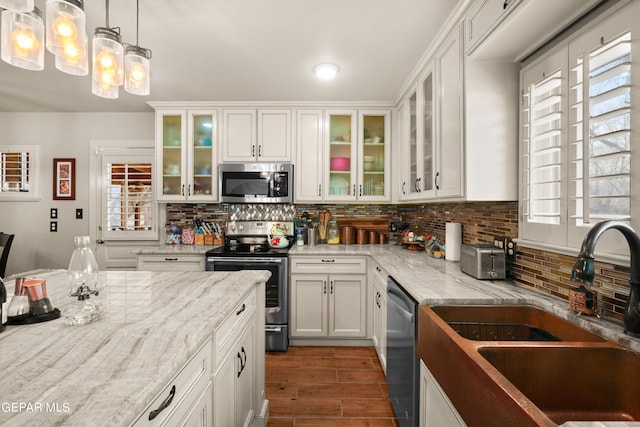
<point x="333" y="233"/>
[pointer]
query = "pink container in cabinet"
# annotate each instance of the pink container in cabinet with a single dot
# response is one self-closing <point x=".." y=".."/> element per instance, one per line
<point x="340" y="164"/>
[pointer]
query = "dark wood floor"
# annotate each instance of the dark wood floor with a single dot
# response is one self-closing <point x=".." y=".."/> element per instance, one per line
<point x="327" y="386"/>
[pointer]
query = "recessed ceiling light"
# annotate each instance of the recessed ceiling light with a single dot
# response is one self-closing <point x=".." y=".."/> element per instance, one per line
<point x="325" y="71"/>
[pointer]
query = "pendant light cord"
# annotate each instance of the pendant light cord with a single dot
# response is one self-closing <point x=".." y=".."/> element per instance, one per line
<point x="107" y="14"/>
<point x="137" y="21"/>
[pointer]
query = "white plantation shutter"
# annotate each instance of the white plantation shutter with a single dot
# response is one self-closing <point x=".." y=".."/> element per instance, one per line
<point x="543" y="136"/>
<point x="18" y="172"/>
<point x="129" y="208"/>
<point x="601" y="150"/>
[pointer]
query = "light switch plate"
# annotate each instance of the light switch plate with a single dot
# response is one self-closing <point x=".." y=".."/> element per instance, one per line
<point x="79" y="213"/>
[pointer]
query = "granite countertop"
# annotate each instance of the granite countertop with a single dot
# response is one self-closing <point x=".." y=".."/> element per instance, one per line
<point x="173" y="250"/>
<point x="107" y="372"/>
<point x="437" y="281"/>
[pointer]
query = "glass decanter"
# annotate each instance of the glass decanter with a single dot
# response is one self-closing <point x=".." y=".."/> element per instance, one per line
<point x="83" y="277"/>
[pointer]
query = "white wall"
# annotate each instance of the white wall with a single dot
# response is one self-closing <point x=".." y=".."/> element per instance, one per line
<point x="58" y="135"/>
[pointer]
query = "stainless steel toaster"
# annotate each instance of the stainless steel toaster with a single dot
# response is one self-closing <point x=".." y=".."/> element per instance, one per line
<point x="483" y="261"/>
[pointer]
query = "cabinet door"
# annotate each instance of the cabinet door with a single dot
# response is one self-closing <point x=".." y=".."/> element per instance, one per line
<point x="309" y="165"/>
<point x="201" y="165"/>
<point x="224" y="383"/>
<point x="373" y="156"/>
<point x="380" y="321"/>
<point x="245" y="378"/>
<point x="347" y="306"/>
<point x="340" y="155"/>
<point x="410" y="188"/>
<point x="239" y="135"/>
<point x="426" y="184"/>
<point x="274" y="135"/>
<point x="309" y="305"/>
<point x="200" y="414"/>
<point x="171" y="155"/>
<point x="448" y="178"/>
<point x="435" y="407"/>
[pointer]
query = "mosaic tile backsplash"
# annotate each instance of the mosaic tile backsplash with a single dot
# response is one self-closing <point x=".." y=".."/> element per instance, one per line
<point x="545" y="271"/>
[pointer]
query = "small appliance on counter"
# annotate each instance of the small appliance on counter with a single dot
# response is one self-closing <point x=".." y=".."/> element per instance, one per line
<point x="483" y="261"/>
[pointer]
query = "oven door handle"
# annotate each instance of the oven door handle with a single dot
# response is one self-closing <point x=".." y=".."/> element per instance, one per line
<point x="245" y="260"/>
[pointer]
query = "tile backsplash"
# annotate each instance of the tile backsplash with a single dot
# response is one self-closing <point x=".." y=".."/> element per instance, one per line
<point x="544" y="271"/>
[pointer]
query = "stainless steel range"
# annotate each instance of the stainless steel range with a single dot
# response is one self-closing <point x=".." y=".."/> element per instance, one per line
<point x="246" y="247"/>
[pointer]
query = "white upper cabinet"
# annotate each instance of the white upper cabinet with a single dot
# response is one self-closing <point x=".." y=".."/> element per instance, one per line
<point x="309" y="166"/>
<point x="256" y="135"/>
<point x="511" y="30"/>
<point x="186" y="155"/>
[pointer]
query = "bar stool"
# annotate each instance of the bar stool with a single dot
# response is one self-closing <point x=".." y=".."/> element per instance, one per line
<point x="5" y="246"/>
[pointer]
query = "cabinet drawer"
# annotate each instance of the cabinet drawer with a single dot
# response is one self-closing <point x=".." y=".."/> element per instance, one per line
<point x="191" y="380"/>
<point x="171" y="262"/>
<point x="229" y="331"/>
<point x="328" y="265"/>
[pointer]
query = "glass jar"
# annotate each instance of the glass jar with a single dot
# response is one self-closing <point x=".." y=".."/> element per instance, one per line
<point x="83" y="277"/>
<point x="333" y="233"/>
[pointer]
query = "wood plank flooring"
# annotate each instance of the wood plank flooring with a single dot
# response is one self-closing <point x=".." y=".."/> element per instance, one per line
<point x="327" y="386"/>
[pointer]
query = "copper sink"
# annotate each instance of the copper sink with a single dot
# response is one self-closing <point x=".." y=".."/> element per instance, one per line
<point x="497" y="382"/>
<point x="573" y="383"/>
<point x="511" y="323"/>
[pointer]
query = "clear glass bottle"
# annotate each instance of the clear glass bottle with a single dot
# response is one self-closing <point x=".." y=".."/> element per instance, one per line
<point x="83" y="278"/>
<point x="333" y="233"/>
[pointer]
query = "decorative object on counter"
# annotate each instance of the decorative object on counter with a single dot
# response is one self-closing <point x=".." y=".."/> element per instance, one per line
<point x="362" y="236"/>
<point x="173" y="235"/>
<point x="453" y="238"/>
<point x="37" y="307"/>
<point x="583" y="301"/>
<point x="83" y="276"/>
<point x="278" y="236"/>
<point x="347" y="235"/>
<point x="64" y="179"/>
<point x="333" y="233"/>
<point x="188" y="236"/>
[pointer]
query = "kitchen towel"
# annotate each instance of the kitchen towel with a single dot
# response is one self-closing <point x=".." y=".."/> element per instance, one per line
<point x="453" y="241"/>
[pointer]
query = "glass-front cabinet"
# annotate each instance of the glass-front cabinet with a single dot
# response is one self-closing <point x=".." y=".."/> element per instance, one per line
<point x="418" y="178"/>
<point x="357" y="152"/>
<point x="186" y="155"/>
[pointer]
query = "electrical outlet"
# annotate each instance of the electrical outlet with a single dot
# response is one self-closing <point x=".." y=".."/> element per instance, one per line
<point x="53" y="213"/>
<point x="53" y="226"/>
<point x="79" y="213"/>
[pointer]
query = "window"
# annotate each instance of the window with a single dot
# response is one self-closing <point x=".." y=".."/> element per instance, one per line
<point x="18" y="172"/>
<point x="577" y="160"/>
<point x="129" y="208"/>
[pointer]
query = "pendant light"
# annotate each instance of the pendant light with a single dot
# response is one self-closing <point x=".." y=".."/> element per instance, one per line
<point x="22" y="39"/>
<point x="66" y="29"/>
<point x="108" y="58"/>
<point x="75" y="62"/>
<point x="17" y="5"/>
<point x="137" y="65"/>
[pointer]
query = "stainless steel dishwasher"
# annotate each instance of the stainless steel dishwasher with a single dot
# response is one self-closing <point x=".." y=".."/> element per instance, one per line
<point x="403" y="369"/>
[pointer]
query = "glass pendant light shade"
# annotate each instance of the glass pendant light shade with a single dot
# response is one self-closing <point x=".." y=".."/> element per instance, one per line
<point x="66" y="27"/>
<point x="108" y="63"/>
<point x="17" y="5"/>
<point x="75" y="62"/>
<point x="22" y="39"/>
<point x="137" y="69"/>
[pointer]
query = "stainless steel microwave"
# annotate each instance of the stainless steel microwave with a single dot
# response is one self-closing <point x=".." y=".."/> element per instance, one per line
<point x="255" y="182"/>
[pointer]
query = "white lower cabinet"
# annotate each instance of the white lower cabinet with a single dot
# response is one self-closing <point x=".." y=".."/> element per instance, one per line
<point x="436" y="409"/>
<point x="378" y="304"/>
<point x="234" y="384"/>
<point x="171" y="262"/>
<point x="328" y="305"/>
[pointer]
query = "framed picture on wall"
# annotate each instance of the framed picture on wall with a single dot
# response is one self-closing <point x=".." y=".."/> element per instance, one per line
<point x="64" y="179"/>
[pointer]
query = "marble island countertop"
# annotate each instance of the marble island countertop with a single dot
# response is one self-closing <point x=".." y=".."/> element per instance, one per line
<point x="437" y="281"/>
<point x="106" y="373"/>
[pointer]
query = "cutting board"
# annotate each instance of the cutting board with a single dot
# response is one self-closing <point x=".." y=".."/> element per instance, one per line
<point x="381" y="225"/>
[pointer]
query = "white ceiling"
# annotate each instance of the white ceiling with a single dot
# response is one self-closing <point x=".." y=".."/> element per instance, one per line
<point x="246" y="50"/>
